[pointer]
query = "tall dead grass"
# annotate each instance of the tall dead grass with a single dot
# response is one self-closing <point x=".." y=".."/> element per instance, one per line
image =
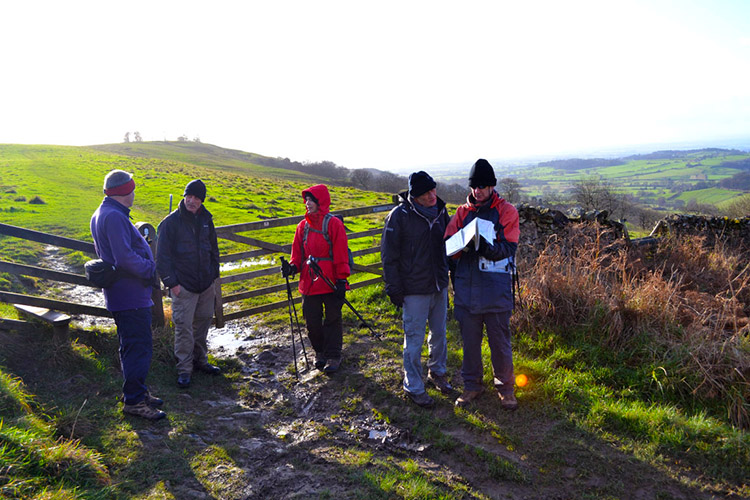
<point x="679" y="306"/>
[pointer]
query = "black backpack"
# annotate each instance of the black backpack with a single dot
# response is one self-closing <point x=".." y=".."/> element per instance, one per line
<point x="324" y="232"/>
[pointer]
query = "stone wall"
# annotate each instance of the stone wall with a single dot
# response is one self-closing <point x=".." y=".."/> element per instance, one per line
<point x="539" y="224"/>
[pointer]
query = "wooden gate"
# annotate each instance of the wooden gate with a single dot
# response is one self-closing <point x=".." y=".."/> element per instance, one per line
<point x="232" y="233"/>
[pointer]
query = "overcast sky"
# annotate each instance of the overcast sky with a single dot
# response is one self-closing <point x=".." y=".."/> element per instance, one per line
<point x="376" y="84"/>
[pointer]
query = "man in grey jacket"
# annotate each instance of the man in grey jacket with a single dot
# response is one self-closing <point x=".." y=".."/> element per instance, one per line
<point x="415" y="270"/>
<point x="187" y="258"/>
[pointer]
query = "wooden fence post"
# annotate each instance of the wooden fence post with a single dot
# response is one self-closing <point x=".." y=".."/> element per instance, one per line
<point x="157" y="311"/>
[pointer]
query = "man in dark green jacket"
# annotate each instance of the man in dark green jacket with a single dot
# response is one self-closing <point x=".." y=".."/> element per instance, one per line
<point x="187" y="259"/>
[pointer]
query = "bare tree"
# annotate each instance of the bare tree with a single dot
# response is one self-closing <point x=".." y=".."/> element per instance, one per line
<point x="127" y="137"/>
<point x="183" y="138"/>
<point x="361" y="178"/>
<point x="510" y="189"/>
<point x="137" y="136"/>
<point x="585" y="192"/>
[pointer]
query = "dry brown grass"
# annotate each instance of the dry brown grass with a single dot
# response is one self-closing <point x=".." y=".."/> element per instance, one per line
<point x="690" y="304"/>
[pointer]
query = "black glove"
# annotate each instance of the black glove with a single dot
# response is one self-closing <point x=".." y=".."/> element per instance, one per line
<point x="397" y="300"/>
<point x="340" y="291"/>
<point x="287" y="269"/>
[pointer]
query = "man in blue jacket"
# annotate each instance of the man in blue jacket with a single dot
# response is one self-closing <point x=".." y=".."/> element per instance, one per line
<point x="187" y="258"/>
<point x="117" y="241"/>
<point x="415" y="270"/>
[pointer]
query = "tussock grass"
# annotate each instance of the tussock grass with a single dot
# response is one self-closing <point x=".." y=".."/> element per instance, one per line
<point x="679" y="312"/>
<point x="36" y="463"/>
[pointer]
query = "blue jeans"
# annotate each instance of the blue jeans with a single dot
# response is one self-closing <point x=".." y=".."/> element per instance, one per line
<point x="134" y="333"/>
<point x="418" y="311"/>
<point x="501" y="354"/>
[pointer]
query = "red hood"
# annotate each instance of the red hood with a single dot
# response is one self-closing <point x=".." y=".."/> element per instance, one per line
<point x="320" y="192"/>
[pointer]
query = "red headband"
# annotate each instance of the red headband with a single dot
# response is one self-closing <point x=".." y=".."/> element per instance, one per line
<point x="122" y="189"/>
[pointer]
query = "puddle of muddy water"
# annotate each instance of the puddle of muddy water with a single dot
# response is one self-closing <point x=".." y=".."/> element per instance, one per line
<point x="222" y="342"/>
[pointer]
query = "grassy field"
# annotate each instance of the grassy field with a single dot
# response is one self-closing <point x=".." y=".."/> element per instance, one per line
<point x="637" y="384"/>
<point x="647" y="180"/>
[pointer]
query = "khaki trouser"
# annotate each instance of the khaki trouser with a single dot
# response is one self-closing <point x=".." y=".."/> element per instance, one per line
<point x="191" y="314"/>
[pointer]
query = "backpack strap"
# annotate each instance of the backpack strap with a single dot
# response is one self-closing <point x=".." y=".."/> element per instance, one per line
<point x="323" y="231"/>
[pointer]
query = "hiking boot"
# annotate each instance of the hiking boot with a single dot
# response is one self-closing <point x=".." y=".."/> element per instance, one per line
<point x="153" y="401"/>
<point x="144" y="411"/>
<point x="320" y="362"/>
<point x="183" y="380"/>
<point x="332" y="365"/>
<point x="467" y="397"/>
<point x="208" y="369"/>
<point x="440" y="382"/>
<point x="508" y="402"/>
<point x="422" y="399"/>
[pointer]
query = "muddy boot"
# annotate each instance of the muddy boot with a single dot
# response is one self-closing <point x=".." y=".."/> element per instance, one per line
<point x="144" y="411"/>
<point x="320" y="361"/>
<point x="467" y="397"/>
<point x="332" y="365"/>
<point x="508" y="402"/>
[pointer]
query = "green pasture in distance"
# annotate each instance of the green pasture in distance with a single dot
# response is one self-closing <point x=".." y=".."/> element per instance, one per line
<point x="647" y="180"/>
<point x="713" y="196"/>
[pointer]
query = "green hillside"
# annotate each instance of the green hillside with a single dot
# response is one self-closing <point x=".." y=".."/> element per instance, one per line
<point x="655" y="180"/>
<point x="56" y="188"/>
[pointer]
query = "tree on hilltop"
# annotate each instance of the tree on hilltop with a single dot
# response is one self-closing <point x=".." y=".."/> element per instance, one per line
<point x="127" y="137"/>
<point x="137" y="136"/>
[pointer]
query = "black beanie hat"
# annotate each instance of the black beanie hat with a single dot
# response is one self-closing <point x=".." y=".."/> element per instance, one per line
<point x="419" y="183"/>
<point x="482" y="174"/>
<point x="196" y="188"/>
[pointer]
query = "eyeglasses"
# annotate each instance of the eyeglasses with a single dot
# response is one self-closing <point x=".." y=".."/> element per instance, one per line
<point x="478" y="187"/>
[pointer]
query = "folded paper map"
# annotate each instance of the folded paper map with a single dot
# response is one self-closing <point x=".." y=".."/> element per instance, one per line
<point x="471" y="232"/>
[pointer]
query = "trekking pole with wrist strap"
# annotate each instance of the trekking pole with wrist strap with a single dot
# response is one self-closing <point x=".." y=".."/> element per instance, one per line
<point x="312" y="262"/>
<point x="291" y="307"/>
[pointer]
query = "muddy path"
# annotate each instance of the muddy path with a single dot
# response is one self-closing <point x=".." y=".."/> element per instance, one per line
<point x="354" y="435"/>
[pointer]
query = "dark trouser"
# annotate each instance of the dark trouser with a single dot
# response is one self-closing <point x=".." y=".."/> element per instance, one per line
<point x="501" y="354"/>
<point x="326" y="334"/>
<point x="134" y="333"/>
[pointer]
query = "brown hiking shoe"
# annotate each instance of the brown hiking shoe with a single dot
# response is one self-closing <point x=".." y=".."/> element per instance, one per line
<point x="508" y="402"/>
<point x="440" y="382"/>
<point x="153" y="401"/>
<point x="467" y="397"/>
<point x="144" y="411"/>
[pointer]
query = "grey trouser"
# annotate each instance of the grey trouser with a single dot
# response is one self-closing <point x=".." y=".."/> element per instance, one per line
<point x="191" y="314"/>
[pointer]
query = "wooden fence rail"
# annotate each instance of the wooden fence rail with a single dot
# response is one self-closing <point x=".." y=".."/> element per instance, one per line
<point x="228" y="232"/>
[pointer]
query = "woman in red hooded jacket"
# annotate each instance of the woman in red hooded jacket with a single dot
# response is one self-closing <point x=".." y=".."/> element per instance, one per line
<point x="321" y="304"/>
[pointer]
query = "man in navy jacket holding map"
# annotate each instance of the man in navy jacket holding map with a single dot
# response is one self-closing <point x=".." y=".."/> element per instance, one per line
<point x="483" y="293"/>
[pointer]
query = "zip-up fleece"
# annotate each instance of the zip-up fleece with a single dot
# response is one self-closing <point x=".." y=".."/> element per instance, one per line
<point x="116" y="240"/>
<point x="412" y="250"/>
<point x="187" y="253"/>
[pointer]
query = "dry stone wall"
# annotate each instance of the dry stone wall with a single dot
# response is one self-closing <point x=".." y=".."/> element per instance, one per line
<point x="539" y="224"/>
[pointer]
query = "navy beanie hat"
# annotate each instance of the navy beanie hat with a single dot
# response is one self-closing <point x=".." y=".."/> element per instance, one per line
<point x="482" y="174"/>
<point x="419" y="183"/>
<point x="196" y="188"/>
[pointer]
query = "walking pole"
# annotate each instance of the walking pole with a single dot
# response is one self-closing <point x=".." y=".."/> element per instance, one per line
<point x="291" y="325"/>
<point x="313" y="263"/>
<point x="296" y="320"/>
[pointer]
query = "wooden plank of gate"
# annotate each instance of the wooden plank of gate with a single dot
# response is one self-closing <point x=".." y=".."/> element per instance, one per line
<point x="59" y="321"/>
